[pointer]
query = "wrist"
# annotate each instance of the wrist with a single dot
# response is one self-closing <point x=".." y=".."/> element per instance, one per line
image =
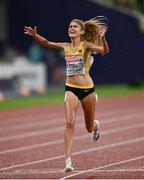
<point x="34" y="35"/>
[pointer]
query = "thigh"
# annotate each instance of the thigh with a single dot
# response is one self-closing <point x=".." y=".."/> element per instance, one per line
<point x="71" y="104"/>
<point x="89" y="108"/>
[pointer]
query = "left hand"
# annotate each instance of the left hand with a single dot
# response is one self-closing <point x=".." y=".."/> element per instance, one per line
<point x="102" y="31"/>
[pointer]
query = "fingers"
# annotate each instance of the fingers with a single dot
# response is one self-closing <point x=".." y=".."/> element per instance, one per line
<point x="26" y="33"/>
<point x="26" y="30"/>
<point x="29" y="30"/>
<point x="103" y="26"/>
<point x="103" y="29"/>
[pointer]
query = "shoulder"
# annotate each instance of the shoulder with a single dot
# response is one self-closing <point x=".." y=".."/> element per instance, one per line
<point x="67" y="44"/>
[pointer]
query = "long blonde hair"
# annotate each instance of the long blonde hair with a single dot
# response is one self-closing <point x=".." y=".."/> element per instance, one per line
<point x="91" y="29"/>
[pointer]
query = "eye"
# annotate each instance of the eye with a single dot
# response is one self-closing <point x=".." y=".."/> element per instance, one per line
<point x="73" y="26"/>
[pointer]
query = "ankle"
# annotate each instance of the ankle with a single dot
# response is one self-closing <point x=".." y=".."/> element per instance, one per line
<point x="96" y="125"/>
<point x="68" y="159"/>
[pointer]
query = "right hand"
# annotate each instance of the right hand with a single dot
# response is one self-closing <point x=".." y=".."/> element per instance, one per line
<point x="30" y="31"/>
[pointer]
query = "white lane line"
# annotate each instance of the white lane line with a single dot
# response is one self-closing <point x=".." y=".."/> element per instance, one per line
<point x="35" y="171"/>
<point x="131" y="141"/>
<point x="61" y="128"/>
<point x="119" y="170"/>
<point x="55" y="171"/>
<point x="47" y="121"/>
<point x="31" y="134"/>
<point x="101" y="167"/>
<point x="27" y="119"/>
<point x="44" y="122"/>
<point x="60" y="141"/>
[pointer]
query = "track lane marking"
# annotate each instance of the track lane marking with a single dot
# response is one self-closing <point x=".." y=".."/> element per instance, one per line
<point x="60" y="128"/>
<point x="121" y="143"/>
<point x="101" y="167"/>
<point x="44" y="122"/>
<point x="60" y="141"/>
<point x="55" y="171"/>
<point x="39" y="117"/>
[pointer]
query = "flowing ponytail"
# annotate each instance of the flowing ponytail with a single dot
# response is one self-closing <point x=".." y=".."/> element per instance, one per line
<point x="91" y="29"/>
<point x="91" y="32"/>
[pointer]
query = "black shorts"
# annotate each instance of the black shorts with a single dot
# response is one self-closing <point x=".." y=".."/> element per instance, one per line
<point x="80" y="92"/>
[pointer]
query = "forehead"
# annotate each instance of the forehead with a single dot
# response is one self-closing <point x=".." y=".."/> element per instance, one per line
<point x="74" y="23"/>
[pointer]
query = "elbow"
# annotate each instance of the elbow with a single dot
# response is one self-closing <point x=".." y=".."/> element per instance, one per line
<point x="45" y="43"/>
<point x="106" y="51"/>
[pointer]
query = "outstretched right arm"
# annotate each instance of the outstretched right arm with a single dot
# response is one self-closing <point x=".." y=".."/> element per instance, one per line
<point x="41" y="40"/>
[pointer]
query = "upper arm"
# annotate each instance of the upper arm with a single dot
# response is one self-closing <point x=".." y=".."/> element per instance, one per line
<point x="55" y="45"/>
<point x="95" y="48"/>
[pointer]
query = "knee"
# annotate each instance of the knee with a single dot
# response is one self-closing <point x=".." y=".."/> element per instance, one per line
<point x="70" y="125"/>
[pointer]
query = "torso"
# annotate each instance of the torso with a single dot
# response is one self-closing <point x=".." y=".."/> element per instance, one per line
<point x="78" y="63"/>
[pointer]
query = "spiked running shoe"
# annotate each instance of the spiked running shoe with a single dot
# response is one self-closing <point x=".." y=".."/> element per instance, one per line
<point x="68" y="167"/>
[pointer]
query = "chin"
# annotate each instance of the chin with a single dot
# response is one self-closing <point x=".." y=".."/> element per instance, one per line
<point x="72" y="36"/>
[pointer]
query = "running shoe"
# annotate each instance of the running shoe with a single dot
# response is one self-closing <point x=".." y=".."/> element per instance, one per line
<point x="68" y="167"/>
<point x="95" y="134"/>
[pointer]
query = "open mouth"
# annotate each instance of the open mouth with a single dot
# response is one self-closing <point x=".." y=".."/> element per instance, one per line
<point x="72" y="32"/>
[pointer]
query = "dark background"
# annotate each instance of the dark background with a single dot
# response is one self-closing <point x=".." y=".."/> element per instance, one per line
<point x="123" y="64"/>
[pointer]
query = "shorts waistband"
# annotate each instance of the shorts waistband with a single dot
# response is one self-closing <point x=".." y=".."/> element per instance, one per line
<point x="80" y="87"/>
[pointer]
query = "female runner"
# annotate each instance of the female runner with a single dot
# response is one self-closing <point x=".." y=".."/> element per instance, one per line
<point x="86" y="37"/>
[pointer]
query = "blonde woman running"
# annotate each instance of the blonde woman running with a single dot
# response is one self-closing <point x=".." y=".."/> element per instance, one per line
<point x="86" y="37"/>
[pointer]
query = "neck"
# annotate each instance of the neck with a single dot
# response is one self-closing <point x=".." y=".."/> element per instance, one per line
<point x="75" y="42"/>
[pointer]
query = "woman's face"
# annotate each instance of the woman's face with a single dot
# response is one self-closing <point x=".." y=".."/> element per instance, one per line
<point x="75" y="30"/>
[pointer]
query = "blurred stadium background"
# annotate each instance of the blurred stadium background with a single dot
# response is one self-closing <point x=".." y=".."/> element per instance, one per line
<point x="28" y="69"/>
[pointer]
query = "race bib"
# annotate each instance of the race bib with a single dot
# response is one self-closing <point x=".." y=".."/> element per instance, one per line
<point x="74" y="65"/>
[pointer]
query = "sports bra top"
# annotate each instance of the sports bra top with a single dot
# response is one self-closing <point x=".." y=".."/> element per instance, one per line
<point x="78" y="62"/>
